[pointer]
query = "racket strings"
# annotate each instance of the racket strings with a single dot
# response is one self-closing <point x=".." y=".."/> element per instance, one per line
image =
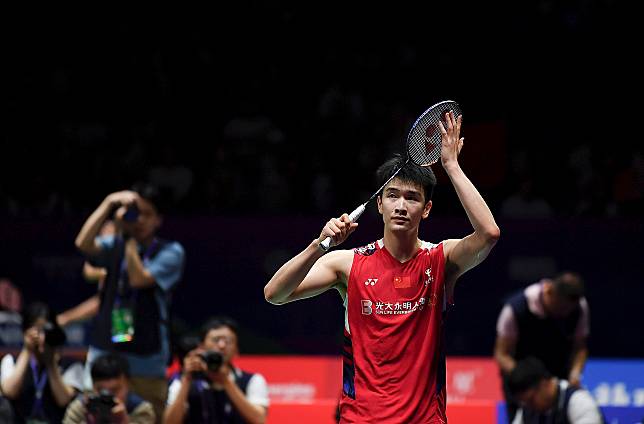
<point x="424" y="140"/>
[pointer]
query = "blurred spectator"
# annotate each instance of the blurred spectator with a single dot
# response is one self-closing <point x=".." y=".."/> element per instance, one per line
<point x="525" y="203"/>
<point x="34" y="382"/>
<point x="10" y="319"/>
<point x="545" y="399"/>
<point x="550" y="321"/>
<point x="628" y="187"/>
<point x="142" y="271"/>
<point x="211" y="389"/>
<point x="169" y="173"/>
<point x="110" y="400"/>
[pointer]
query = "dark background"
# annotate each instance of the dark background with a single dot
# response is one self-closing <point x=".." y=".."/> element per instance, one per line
<point x="262" y="121"/>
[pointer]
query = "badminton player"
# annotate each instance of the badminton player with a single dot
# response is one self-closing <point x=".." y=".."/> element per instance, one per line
<point x="395" y="291"/>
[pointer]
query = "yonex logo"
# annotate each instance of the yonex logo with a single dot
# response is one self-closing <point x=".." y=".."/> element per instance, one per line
<point x="371" y="282"/>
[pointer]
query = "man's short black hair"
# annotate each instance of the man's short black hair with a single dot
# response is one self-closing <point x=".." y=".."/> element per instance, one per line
<point x="152" y="194"/>
<point x="218" y="322"/>
<point x="33" y="312"/>
<point x="569" y="285"/>
<point x="108" y="366"/>
<point x="527" y="374"/>
<point x="410" y="173"/>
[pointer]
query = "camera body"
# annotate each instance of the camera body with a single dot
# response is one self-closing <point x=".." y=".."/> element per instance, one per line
<point x="213" y="359"/>
<point x="99" y="406"/>
<point x="132" y="213"/>
<point x="54" y="335"/>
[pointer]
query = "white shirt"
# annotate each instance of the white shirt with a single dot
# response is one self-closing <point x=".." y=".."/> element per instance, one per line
<point x="73" y="375"/>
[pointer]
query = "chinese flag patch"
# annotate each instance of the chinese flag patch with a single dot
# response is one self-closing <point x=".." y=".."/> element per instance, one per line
<point x="402" y="282"/>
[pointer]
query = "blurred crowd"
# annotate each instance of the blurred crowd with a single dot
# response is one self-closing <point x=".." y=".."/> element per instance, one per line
<point x="261" y="121"/>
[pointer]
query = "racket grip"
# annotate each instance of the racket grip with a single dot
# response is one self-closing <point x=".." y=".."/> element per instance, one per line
<point x="353" y="217"/>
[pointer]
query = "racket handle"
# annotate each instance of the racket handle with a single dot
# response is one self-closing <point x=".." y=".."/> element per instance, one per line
<point x="353" y="217"/>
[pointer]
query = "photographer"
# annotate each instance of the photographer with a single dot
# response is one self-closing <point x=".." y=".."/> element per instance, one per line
<point x="33" y="383"/>
<point x="142" y="271"/>
<point x="111" y="400"/>
<point x="211" y="389"/>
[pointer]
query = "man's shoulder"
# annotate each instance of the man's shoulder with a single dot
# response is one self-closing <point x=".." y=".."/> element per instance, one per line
<point x="248" y="376"/>
<point x="368" y="249"/>
<point x="142" y="413"/>
<point x="171" y="245"/>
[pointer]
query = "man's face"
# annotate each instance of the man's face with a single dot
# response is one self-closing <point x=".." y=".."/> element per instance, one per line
<point x="536" y="398"/>
<point x="222" y="340"/>
<point x="403" y="205"/>
<point x="118" y="386"/>
<point x="147" y="223"/>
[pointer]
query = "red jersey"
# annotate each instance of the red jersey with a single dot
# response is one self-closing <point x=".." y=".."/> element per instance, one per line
<point x="393" y="357"/>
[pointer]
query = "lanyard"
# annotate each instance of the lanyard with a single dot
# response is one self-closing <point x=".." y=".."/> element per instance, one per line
<point x="123" y="270"/>
<point x="39" y="383"/>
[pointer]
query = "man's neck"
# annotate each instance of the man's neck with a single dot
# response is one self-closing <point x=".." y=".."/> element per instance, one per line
<point x="145" y="243"/>
<point x="403" y="247"/>
<point x="553" y="391"/>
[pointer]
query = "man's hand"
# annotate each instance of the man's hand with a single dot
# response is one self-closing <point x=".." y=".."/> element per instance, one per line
<point x="34" y="340"/>
<point x="193" y="363"/>
<point x="221" y="376"/>
<point x="119" y="412"/>
<point x="49" y="356"/>
<point x="338" y="230"/>
<point x="451" y="144"/>
<point x="121" y="198"/>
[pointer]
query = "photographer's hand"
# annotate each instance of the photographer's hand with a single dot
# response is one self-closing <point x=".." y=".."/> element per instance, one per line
<point x="192" y="363"/>
<point x="33" y="340"/>
<point x="63" y="394"/>
<point x="176" y="411"/>
<point x="221" y="376"/>
<point x="250" y="412"/>
<point x="119" y="412"/>
<point x="85" y="241"/>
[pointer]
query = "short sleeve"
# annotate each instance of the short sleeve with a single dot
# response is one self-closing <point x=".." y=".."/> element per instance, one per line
<point x="73" y="376"/>
<point x="257" y="390"/>
<point x="167" y="266"/>
<point x="582" y="408"/>
<point x="7" y="366"/>
<point x="173" y="391"/>
<point x="506" y="325"/>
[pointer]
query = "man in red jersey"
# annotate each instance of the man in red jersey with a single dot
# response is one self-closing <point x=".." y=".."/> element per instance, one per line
<point x="395" y="291"/>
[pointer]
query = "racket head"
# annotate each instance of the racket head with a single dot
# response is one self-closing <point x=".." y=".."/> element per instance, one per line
<point x="424" y="138"/>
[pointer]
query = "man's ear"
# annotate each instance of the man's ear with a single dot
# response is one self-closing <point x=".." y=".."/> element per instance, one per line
<point x="428" y="207"/>
<point x="379" y="202"/>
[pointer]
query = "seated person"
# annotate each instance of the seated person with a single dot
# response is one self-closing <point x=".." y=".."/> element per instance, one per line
<point x="211" y="389"/>
<point x="34" y="383"/>
<point x="111" y="400"/>
<point x="545" y="399"/>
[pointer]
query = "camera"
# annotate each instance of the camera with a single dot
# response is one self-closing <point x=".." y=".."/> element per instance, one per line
<point x="213" y="359"/>
<point x="54" y="335"/>
<point x="132" y="213"/>
<point x="99" y="406"/>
